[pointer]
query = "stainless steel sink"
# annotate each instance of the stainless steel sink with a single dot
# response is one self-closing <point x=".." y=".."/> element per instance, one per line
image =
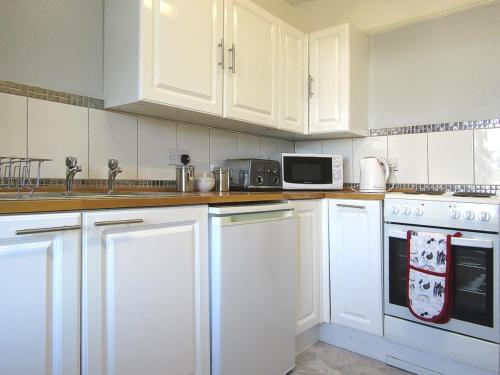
<point x="91" y="195"/>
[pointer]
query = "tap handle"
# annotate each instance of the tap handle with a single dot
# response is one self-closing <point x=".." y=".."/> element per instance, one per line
<point x="113" y="164"/>
<point x="71" y="162"/>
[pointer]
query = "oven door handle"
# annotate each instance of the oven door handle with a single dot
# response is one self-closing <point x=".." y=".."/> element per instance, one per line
<point x="457" y="241"/>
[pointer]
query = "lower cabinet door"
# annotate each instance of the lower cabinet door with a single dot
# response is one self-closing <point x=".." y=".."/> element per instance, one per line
<point x="356" y="264"/>
<point x="40" y="294"/>
<point x="145" y="292"/>
<point x="308" y="293"/>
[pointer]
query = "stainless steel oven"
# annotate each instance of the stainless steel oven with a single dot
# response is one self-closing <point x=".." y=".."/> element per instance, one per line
<point x="475" y="267"/>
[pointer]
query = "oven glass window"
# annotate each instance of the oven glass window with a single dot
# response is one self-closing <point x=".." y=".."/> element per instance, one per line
<point x="307" y="170"/>
<point x="472" y="281"/>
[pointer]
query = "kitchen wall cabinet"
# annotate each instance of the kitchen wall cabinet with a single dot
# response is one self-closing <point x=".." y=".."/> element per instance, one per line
<point x="251" y="78"/>
<point x="356" y="264"/>
<point x="338" y="81"/>
<point x="145" y="286"/>
<point x="293" y="79"/>
<point x="40" y="294"/>
<point x="170" y="53"/>
<point x="309" y="260"/>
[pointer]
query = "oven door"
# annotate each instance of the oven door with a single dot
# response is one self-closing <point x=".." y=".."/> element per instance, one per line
<point x="474" y="279"/>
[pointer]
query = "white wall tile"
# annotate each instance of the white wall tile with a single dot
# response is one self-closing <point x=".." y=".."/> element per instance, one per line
<point x="112" y="135"/>
<point x="363" y="147"/>
<point x="196" y="140"/>
<point x="268" y="147"/>
<point x="13" y="125"/>
<point x="155" y="139"/>
<point x="286" y="146"/>
<point x="308" y="147"/>
<point x="341" y="147"/>
<point x="450" y="157"/>
<point x="410" y="150"/>
<point x="222" y="147"/>
<point x="487" y="156"/>
<point x="55" y="131"/>
<point x="248" y="146"/>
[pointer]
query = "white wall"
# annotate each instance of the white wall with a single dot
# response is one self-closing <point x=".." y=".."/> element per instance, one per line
<point x="438" y="71"/>
<point x="376" y="15"/>
<point x="55" y="44"/>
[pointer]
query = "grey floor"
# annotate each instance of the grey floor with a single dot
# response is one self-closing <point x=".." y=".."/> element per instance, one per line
<point x="323" y="359"/>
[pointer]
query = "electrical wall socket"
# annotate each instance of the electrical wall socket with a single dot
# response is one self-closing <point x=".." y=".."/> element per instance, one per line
<point x="174" y="156"/>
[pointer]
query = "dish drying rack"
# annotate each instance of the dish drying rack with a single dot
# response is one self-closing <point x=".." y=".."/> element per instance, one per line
<point x="16" y="173"/>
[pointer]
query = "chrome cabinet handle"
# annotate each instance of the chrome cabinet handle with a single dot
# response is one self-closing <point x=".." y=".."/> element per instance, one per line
<point x="64" y="228"/>
<point x="221" y="46"/>
<point x="350" y="206"/>
<point x="233" y="58"/>
<point x="118" y="222"/>
<point x="309" y="87"/>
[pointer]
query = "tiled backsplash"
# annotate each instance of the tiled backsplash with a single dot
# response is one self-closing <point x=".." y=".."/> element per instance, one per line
<point x="462" y="157"/>
<point x="41" y="128"/>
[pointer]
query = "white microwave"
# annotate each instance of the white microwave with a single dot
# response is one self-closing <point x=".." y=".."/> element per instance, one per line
<point x="312" y="172"/>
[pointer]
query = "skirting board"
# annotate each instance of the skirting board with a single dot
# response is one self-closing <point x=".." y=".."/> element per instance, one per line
<point x="419" y="362"/>
<point x="306" y="339"/>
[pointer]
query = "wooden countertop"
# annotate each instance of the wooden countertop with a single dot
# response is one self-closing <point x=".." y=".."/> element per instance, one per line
<point x="35" y="205"/>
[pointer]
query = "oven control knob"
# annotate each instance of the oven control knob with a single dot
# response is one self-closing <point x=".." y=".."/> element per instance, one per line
<point x="260" y="179"/>
<point x="484" y="216"/>
<point x="407" y="210"/>
<point x="469" y="215"/>
<point x="276" y="180"/>
<point x="419" y="211"/>
<point x="395" y="210"/>
<point x="455" y="214"/>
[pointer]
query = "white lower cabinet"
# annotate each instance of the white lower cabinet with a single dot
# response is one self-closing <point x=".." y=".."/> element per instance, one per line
<point x="145" y="277"/>
<point x="40" y="294"/>
<point x="356" y="264"/>
<point x="309" y="276"/>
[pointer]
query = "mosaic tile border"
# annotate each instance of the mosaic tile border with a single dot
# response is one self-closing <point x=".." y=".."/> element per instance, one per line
<point x="35" y="92"/>
<point x="101" y="183"/>
<point x="489" y="189"/>
<point x="434" y="128"/>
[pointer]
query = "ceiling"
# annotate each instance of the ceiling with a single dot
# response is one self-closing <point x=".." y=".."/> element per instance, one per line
<point x="373" y="16"/>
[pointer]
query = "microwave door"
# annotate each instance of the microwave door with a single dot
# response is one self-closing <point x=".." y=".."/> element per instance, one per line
<point x="308" y="171"/>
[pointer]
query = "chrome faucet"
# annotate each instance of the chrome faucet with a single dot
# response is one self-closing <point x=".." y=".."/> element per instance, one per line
<point x="113" y="171"/>
<point x="72" y="168"/>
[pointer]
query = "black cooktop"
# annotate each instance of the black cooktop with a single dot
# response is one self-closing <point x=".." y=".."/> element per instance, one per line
<point x="472" y="195"/>
<point x="426" y="192"/>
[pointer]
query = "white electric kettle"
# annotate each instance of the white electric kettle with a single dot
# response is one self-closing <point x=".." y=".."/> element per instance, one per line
<point x="373" y="175"/>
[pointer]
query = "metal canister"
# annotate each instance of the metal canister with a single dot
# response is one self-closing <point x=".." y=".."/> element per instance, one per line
<point x="184" y="177"/>
<point x="222" y="178"/>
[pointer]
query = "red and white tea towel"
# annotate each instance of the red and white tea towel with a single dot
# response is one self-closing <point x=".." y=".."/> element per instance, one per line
<point x="429" y="275"/>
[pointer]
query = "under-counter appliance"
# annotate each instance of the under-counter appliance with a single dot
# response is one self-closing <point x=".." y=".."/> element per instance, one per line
<point x="252" y="269"/>
<point x="475" y="323"/>
<point x="254" y="174"/>
<point x="311" y="171"/>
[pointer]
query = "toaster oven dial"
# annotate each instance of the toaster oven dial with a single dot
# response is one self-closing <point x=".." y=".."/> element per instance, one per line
<point x="276" y="180"/>
<point x="260" y="179"/>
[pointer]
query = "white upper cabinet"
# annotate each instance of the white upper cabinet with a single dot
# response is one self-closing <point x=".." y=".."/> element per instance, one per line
<point x="181" y="50"/>
<point x="170" y="53"/>
<point x="293" y="79"/>
<point x="251" y="74"/>
<point x="338" y="81"/>
<point x="145" y="286"/>
<point x="40" y="294"/>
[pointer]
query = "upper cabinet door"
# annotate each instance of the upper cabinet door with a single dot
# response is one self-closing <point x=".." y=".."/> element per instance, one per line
<point x="251" y="75"/>
<point x="182" y="53"/>
<point x="328" y="85"/>
<point x="293" y="79"/>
